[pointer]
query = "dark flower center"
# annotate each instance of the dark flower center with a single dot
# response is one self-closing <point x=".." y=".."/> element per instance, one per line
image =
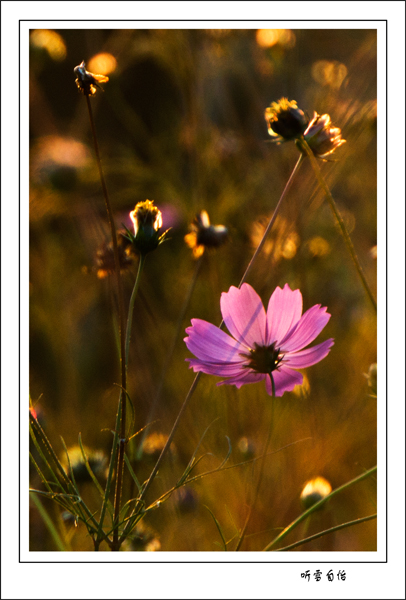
<point x="264" y="359"/>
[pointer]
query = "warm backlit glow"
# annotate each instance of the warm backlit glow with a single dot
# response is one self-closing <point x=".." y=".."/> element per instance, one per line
<point x="266" y="38"/>
<point x="51" y="41"/>
<point x="318" y="246"/>
<point x="330" y="73"/>
<point x="103" y="63"/>
<point x="317" y="487"/>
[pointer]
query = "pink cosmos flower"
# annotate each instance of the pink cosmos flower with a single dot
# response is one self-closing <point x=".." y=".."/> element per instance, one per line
<point x="265" y="345"/>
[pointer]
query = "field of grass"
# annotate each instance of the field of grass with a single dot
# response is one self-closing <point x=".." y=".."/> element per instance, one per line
<point x="181" y="122"/>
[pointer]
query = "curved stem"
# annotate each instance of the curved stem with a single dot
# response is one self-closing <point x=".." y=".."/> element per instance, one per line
<point x="305" y="147"/>
<point x="123" y="438"/>
<point x="197" y="378"/>
<point x="316" y="506"/>
<point x="272" y="221"/>
<point x="327" y="531"/>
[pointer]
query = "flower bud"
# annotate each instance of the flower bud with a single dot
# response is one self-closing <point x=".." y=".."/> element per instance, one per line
<point x="285" y="120"/>
<point x="314" y="490"/>
<point x="147" y="221"/>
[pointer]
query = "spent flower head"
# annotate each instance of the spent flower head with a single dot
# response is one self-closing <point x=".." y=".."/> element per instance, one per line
<point x="88" y="82"/>
<point x="322" y="138"/>
<point x="147" y="221"/>
<point x="286" y="121"/>
<point x="263" y="345"/>
<point x="203" y="235"/>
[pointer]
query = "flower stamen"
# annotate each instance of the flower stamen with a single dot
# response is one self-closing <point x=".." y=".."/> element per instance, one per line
<point x="263" y="359"/>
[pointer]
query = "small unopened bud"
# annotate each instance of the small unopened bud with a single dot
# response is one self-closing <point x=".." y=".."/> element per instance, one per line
<point x="314" y="490"/>
<point x="147" y="221"/>
<point x="285" y="120"/>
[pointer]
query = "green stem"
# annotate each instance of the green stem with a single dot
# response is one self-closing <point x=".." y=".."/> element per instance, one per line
<point x="131" y="308"/>
<point x="316" y="506"/>
<point x="305" y="147"/>
<point x="327" y="531"/>
<point x="123" y="437"/>
<point x="197" y="378"/>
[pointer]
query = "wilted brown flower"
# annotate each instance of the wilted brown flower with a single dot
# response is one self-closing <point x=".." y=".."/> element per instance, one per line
<point x="88" y="82"/>
<point x="322" y="137"/>
<point x="204" y="235"/>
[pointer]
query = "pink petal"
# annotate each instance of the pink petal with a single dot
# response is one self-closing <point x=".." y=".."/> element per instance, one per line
<point x="244" y="315"/>
<point x="284" y="311"/>
<point x="308" y="328"/>
<point x="208" y="342"/>
<point x="309" y="357"/>
<point x="211" y="368"/>
<point x="285" y="380"/>
<point x="248" y="377"/>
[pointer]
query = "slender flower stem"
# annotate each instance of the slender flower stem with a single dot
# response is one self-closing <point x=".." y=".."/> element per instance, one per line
<point x="305" y="146"/>
<point x="327" y="531"/>
<point x="197" y="378"/>
<point x="272" y="221"/>
<point x="131" y="308"/>
<point x="261" y="473"/>
<point x="171" y="351"/>
<point x="123" y="435"/>
<point x="316" y="506"/>
<point x="122" y="399"/>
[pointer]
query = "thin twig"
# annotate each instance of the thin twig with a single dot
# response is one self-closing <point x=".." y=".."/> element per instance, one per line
<point x="113" y="232"/>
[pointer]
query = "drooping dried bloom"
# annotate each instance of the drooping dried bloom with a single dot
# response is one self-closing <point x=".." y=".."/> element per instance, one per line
<point x="105" y="263"/>
<point x="314" y="490"/>
<point x="88" y="82"/>
<point x="203" y="235"/>
<point x="322" y="137"/>
<point x="147" y="221"/>
<point x="265" y="345"/>
<point x="285" y="120"/>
